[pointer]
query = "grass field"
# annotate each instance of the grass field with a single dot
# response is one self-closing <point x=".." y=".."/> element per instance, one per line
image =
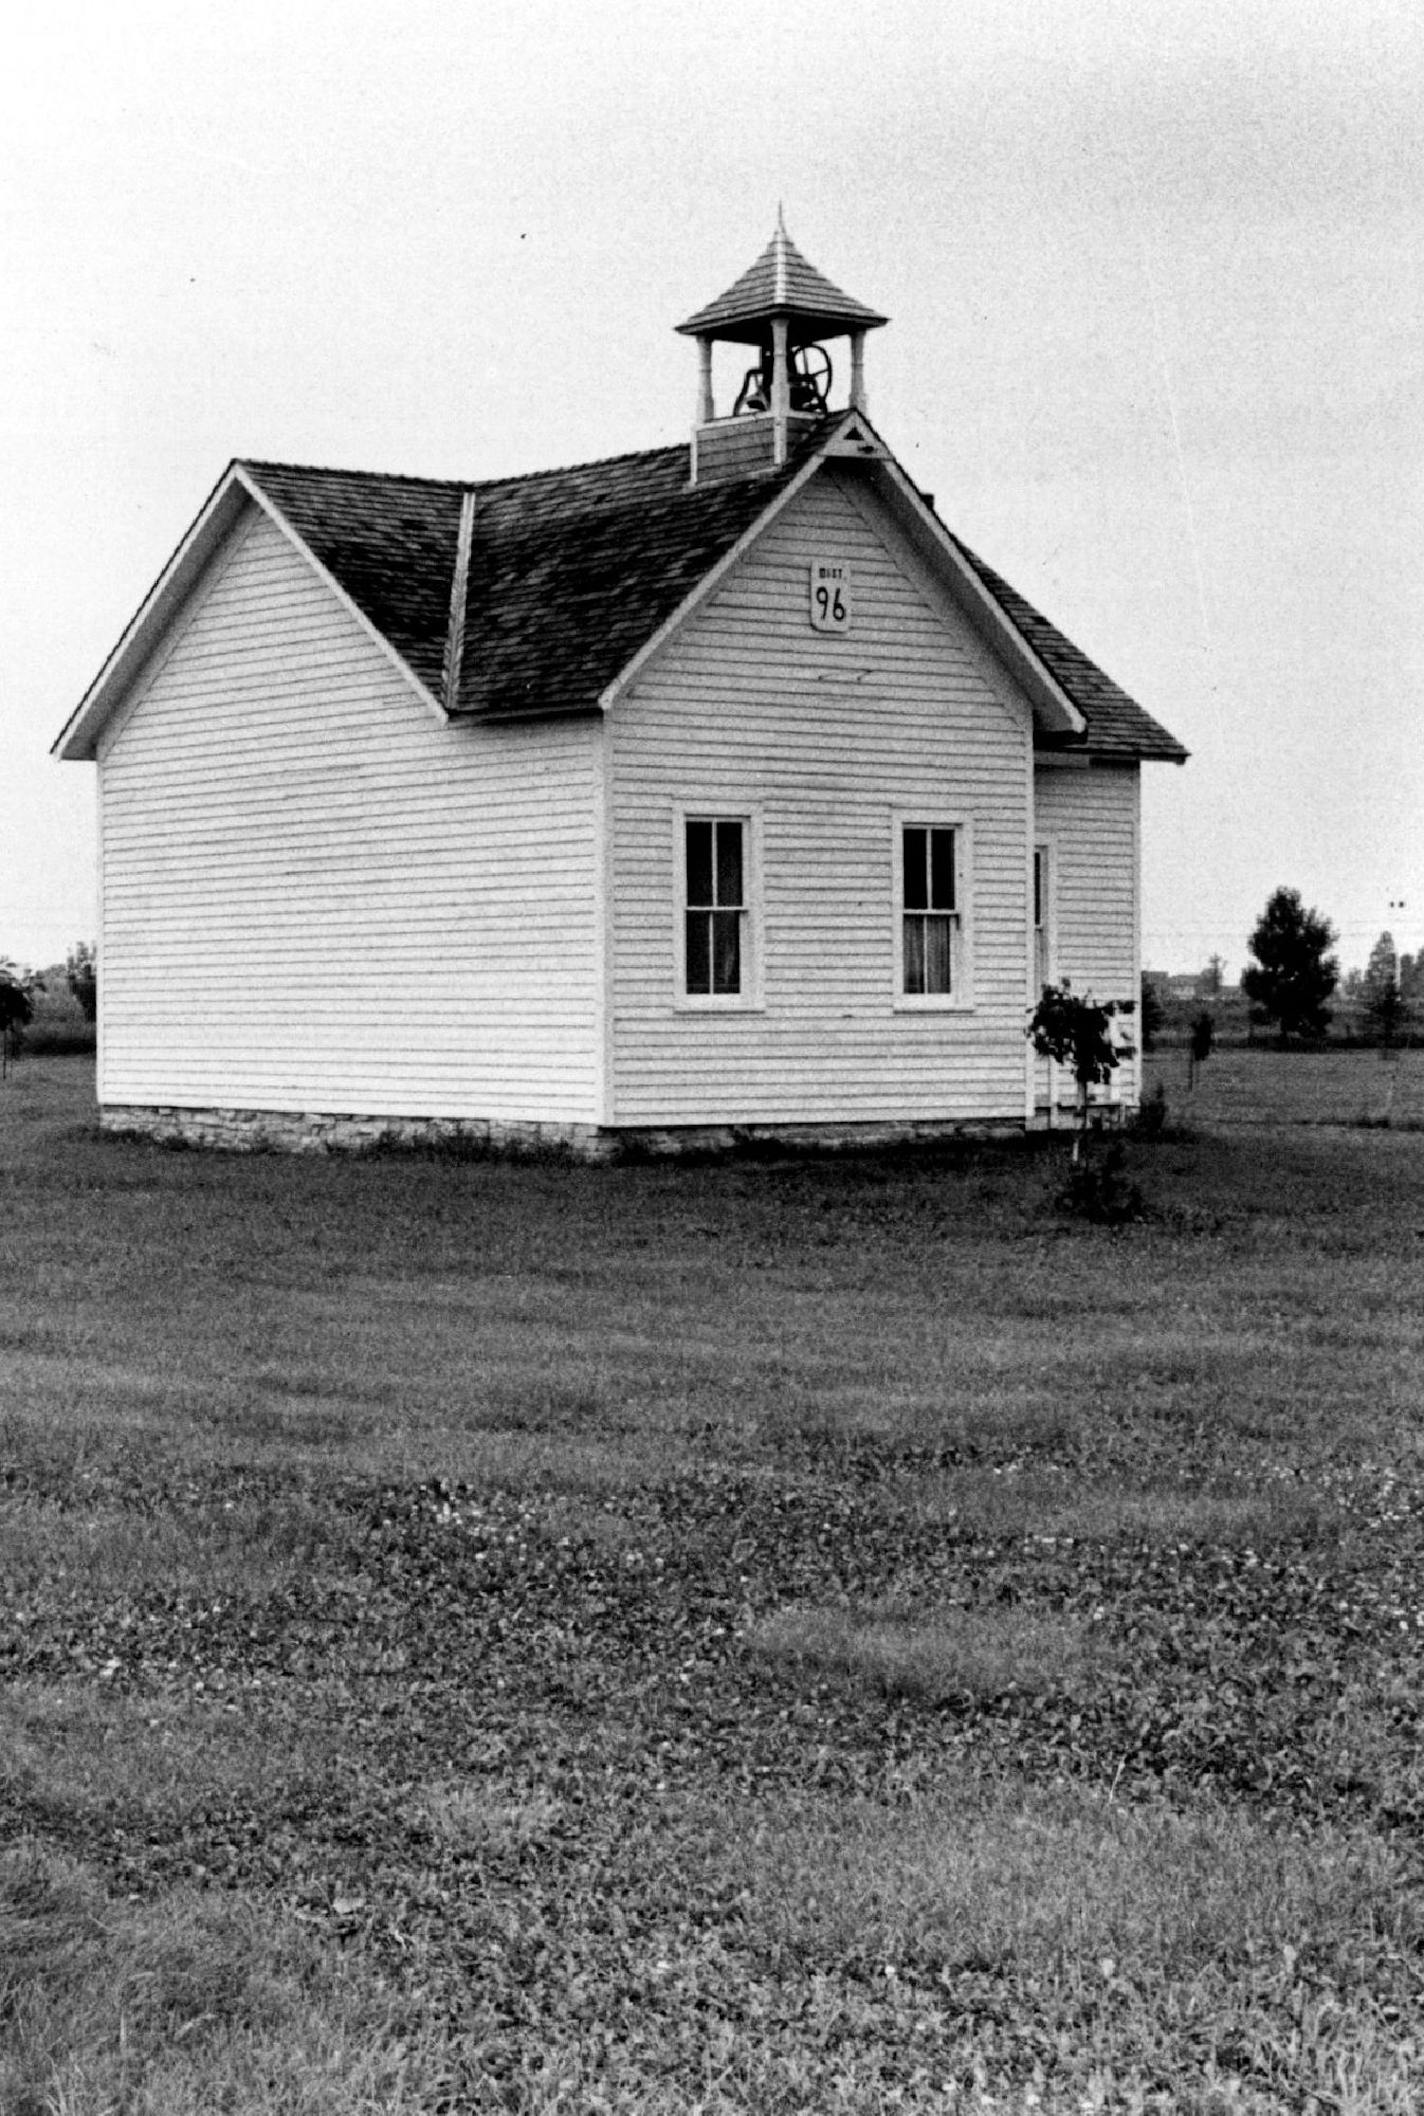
<point x="762" y="1636"/>
<point x="1257" y="1084"/>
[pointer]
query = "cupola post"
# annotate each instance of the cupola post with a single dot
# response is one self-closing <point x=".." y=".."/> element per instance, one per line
<point x="780" y="390"/>
<point x="857" y="372"/>
<point x="782" y="308"/>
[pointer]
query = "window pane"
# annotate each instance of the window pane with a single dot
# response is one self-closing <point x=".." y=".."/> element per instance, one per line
<point x="729" y="863"/>
<point x="939" y="951"/>
<point x="916" y="878"/>
<point x="699" y="863"/>
<point x="699" y="952"/>
<point x="941" y="870"/>
<point x="1039" y="858"/>
<point x="914" y="954"/>
<point x="726" y="951"/>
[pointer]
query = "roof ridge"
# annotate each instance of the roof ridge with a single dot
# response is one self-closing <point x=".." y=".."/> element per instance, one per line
<point x="406" y="477"/>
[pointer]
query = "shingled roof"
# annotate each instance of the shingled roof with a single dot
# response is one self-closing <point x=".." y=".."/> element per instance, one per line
<point x="1117" y="724"/>
<point x="573" y="571"/>
<point x="781" y="283"/>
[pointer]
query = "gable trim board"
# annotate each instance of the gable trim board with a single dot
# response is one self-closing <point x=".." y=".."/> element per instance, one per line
<point x="258" y="776"/>
<point x="143" y="638"/>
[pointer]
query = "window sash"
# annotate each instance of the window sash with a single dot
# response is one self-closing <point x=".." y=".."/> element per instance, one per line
<point x="1041" y="965"/>
<point x="931" y="941"/>
<point x="928" y="853"/>
<point x="930" y="922"/>
<point x="715" y="908"/>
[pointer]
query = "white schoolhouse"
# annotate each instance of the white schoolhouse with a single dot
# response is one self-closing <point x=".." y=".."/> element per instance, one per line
<point x="709" y="791"/>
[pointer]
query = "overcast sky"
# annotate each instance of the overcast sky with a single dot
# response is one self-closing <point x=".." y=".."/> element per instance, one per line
<point x="1155" y="275"/>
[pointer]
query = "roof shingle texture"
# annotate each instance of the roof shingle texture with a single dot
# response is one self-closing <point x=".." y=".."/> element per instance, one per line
<point x="781" y="283"/>
<point x="573" y="571"/>
<point x="1117" y="724"/>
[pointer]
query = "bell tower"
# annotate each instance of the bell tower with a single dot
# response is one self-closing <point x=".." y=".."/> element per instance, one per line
<point x="783" y="308"/>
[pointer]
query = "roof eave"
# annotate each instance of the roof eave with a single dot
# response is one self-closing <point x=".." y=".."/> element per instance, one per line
<point x="144" y="632"/>
<point x="1054" y="712"/>
<point x="748" y="327"/>
<point x="235" y="491"/>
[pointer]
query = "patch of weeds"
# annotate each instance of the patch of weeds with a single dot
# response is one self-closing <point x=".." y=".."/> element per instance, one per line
<point x="193" y="2003"/>
<point x="470" y="1815"/>
<point x="1053" y="1506"/>
<point x="956" y="1656"/>
<point x="119" y="1550"/>
<point x="90" y="1751"/>
<point x="1125" y="1944"/>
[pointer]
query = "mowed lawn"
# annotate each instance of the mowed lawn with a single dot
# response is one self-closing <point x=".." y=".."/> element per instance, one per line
<point x="1259" y="1084"/>
<point x="764" y="1636"/>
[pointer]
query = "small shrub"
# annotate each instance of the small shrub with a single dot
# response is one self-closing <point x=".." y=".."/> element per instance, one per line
<point x="1151" y="1119"/>
<point x="1098" y="1189"/>
<point x="65" y="1038"/>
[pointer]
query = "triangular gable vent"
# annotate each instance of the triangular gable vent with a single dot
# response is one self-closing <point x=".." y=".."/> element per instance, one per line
<point x="854" y="439"/>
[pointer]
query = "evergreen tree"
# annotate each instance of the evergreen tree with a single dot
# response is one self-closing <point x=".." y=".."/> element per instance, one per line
<point x="1381" y="994"/>
<point x="1293" y="974"/>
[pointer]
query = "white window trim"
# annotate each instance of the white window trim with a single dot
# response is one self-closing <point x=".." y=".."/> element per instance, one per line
<point x="1046" y="842"/>
<point x="960" y="1001"/>
<point x="717" y="808"/>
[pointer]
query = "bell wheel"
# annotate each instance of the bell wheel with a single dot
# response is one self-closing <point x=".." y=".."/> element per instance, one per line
<point x="811" y="378"/>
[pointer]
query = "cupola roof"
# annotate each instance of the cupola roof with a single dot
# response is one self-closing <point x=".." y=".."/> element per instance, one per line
<point x="781" y="283"/>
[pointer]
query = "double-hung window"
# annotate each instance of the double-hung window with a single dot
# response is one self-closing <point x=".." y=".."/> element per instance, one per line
<point x="715" y="907"/>
<point x="1042" y="921"/>
<point x="931" y="912"/>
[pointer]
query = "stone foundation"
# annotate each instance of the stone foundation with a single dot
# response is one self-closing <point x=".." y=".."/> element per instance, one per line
<point x="321" y="1132"/>
<point x="256" y="1131"/>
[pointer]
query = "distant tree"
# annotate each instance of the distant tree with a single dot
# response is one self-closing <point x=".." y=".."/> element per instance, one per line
<point x="1076" y="1031"/>
<point x="1383" y="1003"/>
<point x="1411" y="976"/>
<point x="1293" y="974"/>
<point x="1201" y="1044"/>
<point x="17" y="989"/>
<point x="1154" y="1014"/>
<point x="1212" y="979"/>
<point x="82" y="976"/>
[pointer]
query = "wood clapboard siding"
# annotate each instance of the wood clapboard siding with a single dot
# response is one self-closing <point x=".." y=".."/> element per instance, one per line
<point x="318" y="897"/>
<point x="826" y="737"/>
<point x="1091" y="821"/>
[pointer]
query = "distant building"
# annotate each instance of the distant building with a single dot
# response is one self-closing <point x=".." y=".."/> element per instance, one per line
<point x="697" y="790"/>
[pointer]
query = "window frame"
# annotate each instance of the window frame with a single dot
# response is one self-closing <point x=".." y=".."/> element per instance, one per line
<point x="1043" y="843"/>
<point x="749" y="999"/>
<point x="960" y="998"/>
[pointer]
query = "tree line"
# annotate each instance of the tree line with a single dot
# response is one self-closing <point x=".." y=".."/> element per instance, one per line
<point x="1294" y="974"/>
<point x="19" y="990"/>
